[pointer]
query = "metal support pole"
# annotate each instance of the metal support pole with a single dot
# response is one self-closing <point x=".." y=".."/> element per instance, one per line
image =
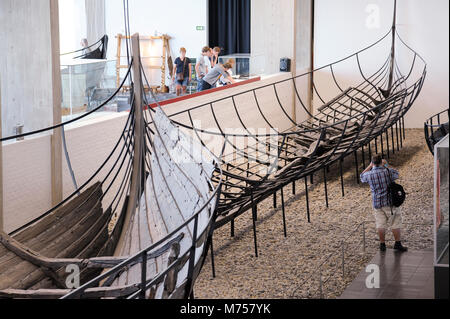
<point x="356" y="167"/>
<point x="307" y="200"/>
<point x="376" y="145"/>
<point x="363" y="154"/>
<point x="143" y="275"/>
<point x="343" y="259"/>
<point x="400" y="132"/>
<point x="232" y="228"/>
<point x="404" y="129"/>
<point x="293" y="188"/>
<point x="312" y="178"/>
<point x="254" y="209"/>
<point x="382" y="146"/>
<point x="284" y="213"/>
<point x="393" y="142"/>
<point x="387" y="144"/>
<point x="326" y="187"/>
<point x="396" y="134"/>
<point x="275" y="200"/>
<point x="364" y="237"/>
<point x="370" y="153"/>
<point x="191" y="268"/>
<point x="213" y="266"/>
<point x="400" y="128"/>
<point x="320" y="283"/>
<point x="342" y="177"/>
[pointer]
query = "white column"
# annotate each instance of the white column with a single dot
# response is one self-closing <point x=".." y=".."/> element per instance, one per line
<point x="272" y="32"/>
<point x="95" y="20"/>
<point x="25" y="62"/>
<point x="304" y="48"/>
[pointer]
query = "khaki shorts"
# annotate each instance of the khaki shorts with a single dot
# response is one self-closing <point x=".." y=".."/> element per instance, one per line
<point x="385" y="220"/>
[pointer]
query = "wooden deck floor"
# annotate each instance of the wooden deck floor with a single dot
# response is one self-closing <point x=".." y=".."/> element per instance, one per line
<point x="402" y="276"/>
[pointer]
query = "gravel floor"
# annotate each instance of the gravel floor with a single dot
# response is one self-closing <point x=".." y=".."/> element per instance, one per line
<point x="289" y="267"/>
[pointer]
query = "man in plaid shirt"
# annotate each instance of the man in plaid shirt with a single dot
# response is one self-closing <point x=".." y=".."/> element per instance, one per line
<point x="378" y="175"/>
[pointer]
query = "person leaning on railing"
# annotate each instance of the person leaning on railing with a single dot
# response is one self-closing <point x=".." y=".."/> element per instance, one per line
<point x="379" y="176"/>
<point x="210" y="80"/>
<point x="223" y="80"/>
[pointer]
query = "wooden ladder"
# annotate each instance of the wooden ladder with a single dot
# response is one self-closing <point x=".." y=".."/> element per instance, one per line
<point x="165" y="53"/>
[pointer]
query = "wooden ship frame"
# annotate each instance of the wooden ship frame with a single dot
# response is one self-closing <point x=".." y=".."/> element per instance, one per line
<point x="363" y="119"/>
<point x="167" y="234"/>
<point x="168" y="201"/>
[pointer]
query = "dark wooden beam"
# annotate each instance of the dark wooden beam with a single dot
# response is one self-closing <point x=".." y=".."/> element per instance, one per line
<point x="138" y="140"/>
<point x="56" y="141"/>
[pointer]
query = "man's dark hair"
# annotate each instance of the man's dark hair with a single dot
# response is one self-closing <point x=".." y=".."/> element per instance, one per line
<point x="377" y="160"/>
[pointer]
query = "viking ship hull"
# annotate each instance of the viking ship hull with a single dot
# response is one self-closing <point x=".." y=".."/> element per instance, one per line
<point x="177" y="191"/>
<point x="178" y="184"/>
<point x="78" y="230"/>
<point x="362" y="114"/>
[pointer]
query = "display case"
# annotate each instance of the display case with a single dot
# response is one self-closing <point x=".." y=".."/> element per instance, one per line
<point x="241" y="68"/>
<point x="83" y="82"/>
<point x="441" y="218"/>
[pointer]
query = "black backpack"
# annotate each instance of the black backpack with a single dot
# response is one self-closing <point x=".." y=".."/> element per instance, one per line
<point x="396" y="193"/>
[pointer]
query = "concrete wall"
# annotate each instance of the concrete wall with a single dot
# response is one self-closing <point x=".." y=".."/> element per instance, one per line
<point x="303" y="57"/>
<point x="80" y="19"/>
<point x="343" y="27"/>
<point x="72" y="24"/>
<point x="303" y="34"/>
<point x="283" y="29"/>
<point x="272" y="34"/>
<point x="27" y="168"/>
<point x="26" y="181"/>
<point x="95" y="20"/>
<point x="25" y="64"/>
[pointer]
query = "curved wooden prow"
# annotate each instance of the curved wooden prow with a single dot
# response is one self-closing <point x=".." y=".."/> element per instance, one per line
<point x="387" y="93"/>
<point x="138" y="142"/>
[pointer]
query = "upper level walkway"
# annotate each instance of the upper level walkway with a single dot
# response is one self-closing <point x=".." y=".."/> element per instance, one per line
<point x="402" y="276"/>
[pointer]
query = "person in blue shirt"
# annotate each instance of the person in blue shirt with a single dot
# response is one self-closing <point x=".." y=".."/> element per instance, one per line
<point x="379" y="175"/>
<point x="182" y="72"/>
